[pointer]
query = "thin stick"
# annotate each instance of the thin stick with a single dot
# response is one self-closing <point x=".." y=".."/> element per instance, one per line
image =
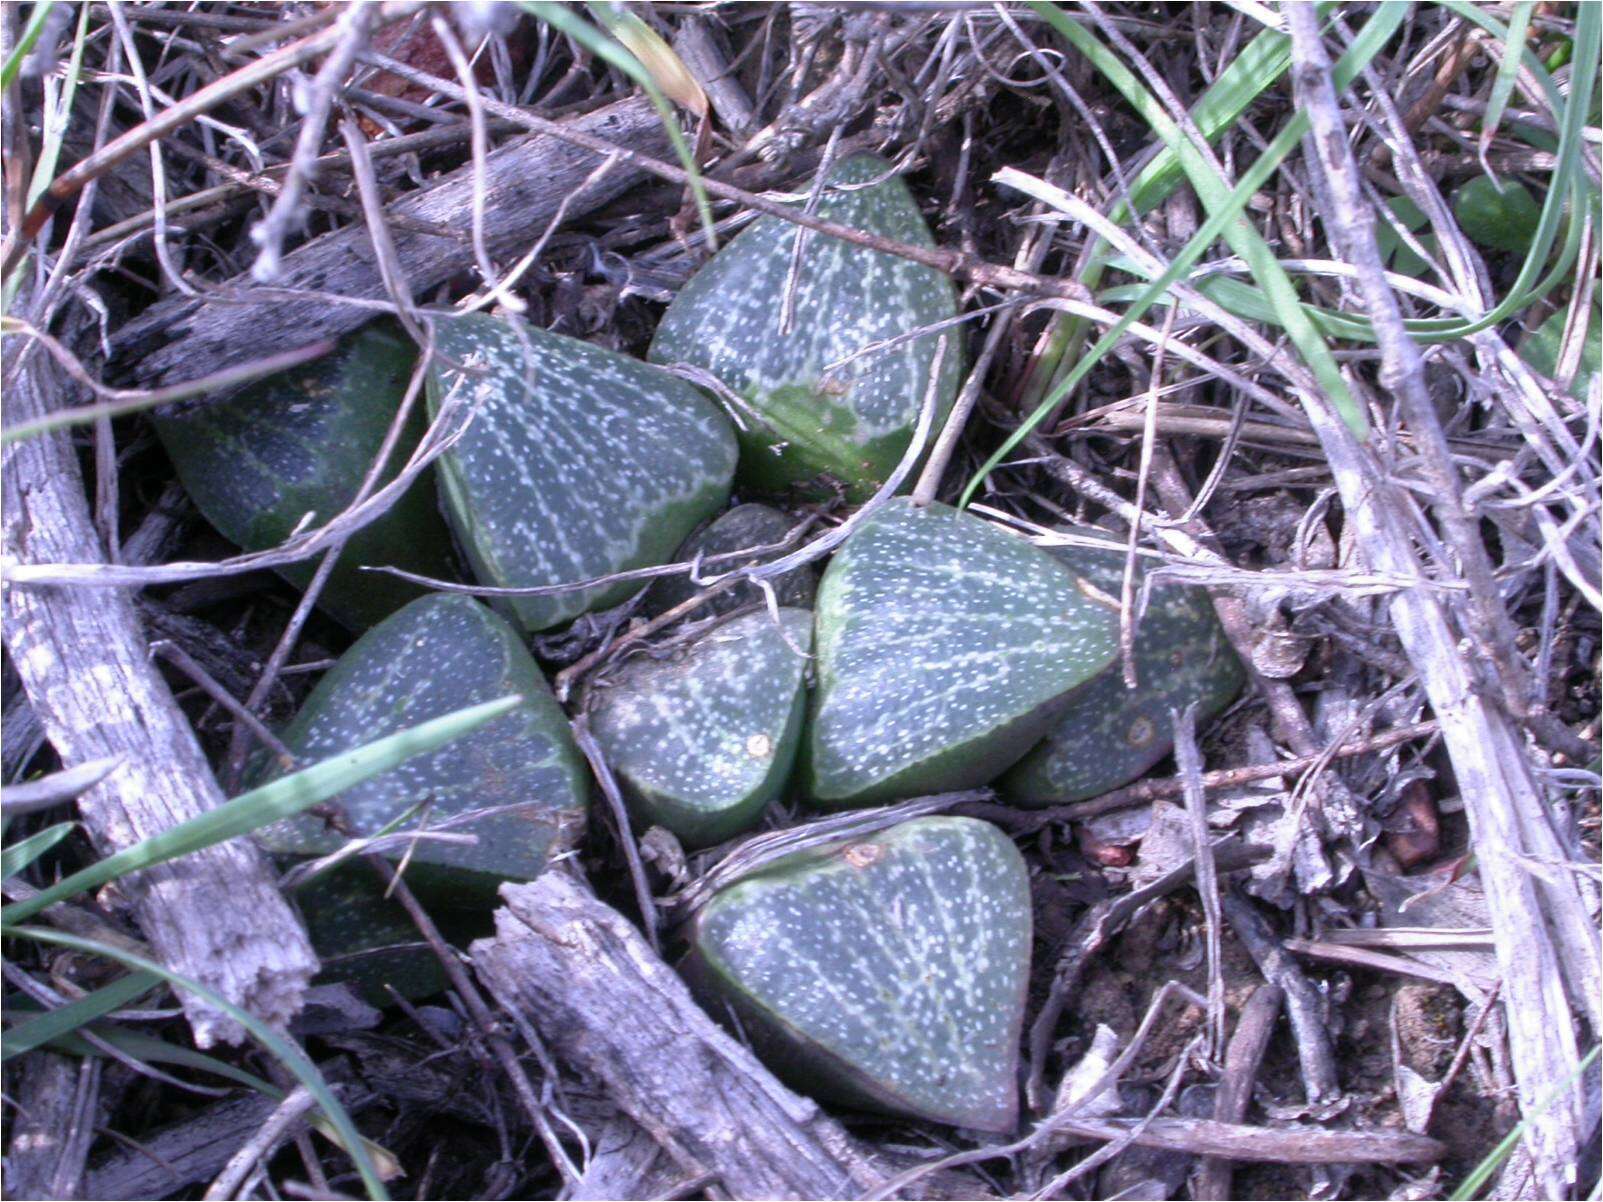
<point x="355" y="23"/>
<point x="285" y="1117"/>
<point x="489" y="1030"/>
<point x="261" y="71"/>
<point x="1245" y="1055"/>
<point x="620" y="819"/>
<point x="1146" y="791"/>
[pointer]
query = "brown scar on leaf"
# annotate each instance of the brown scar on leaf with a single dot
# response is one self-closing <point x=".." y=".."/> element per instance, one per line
<point x="862" y="855"/>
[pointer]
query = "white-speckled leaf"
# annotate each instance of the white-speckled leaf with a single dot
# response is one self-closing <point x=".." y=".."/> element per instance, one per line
<point x="946" y="648"/>
<point x="300" y="443"/>
<point x="887" y="973"/>
<point x="1110" y="734"/>
<point x="522" y="774"/>
<point x="855" y="421"/>
<point x="579" y="462"/>
<point x="703" y="739"/>
<point x="740" y="528"/>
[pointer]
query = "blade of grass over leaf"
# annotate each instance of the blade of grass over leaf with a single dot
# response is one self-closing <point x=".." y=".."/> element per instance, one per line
<point x="560" y="18"/>
<point x="1519" y="23"/>
<point x="1570" y="190"/>
<point x="285" y="1050"/>
<point x="53" y="1024"/>
<point x="19" y="855"/>
<point x="278" y="799"/>
<point x="26" y="41"/>
<point x="1374" y="35"/>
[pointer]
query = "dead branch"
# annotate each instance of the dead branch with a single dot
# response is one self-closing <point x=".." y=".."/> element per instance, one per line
<point x="525" y="184"/>
<point x="614" y="1012"/>
<point x="1547" y="946"/>
<point x="216" y="916"/>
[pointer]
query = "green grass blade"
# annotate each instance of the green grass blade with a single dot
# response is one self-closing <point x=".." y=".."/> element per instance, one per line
<point x="1239" y="233"/>
<point x="26" y="42"/>
<point x="19" y="855"/>
<point x="291" y="1056"/>
<point x="1570" y="189"/>
<point x="562" y="19"/>
<point x="1253" y="71"/>
<point x="136" y="1045"/>
<point x="1374" y="35"/>
<point x="147" y="1048"/>
<point x="1568" y="180"/>
<point x="278" y="799"/>
<point x="1248" y="76"/>
<point x="1482" y="1173"/>
<point x="53" y="1024"/>
<point x="56" y="126"/>
<point x="1519" y="23"/>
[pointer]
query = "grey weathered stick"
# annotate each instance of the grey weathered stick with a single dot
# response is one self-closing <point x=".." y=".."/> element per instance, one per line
<point x="525" y="183"/>
<point x="608" y="1007"/>
<point x="185" y="1153"/>
<point x="1316" y="1054"/>
<point x="1293" y="1143"/>
<point x="216" y="916"/>
<point x="1547" y="946"/>
<point x="1245" y="1054"/>
<point x="50" y="1137"/>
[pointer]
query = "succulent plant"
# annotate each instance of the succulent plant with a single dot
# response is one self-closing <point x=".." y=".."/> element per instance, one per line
<point x="805" y="408"/>
<point x="1110" y="734"/>
<point x="578" y="462"/>
<point x="1499" y="213"/>
<point x="946" y="649"/>
<point x="1542" y="346"/>
<point x="703" y="739"/>
<point x="521" y="775"/>
<point x="737" y="529"/>
<point x="886" y="972"/>
<point x="300" y="442"/>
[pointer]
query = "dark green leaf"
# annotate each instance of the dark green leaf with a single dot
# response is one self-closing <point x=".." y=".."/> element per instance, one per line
<point x="257" y="463"/>
<point x="578" y="463"/>
<point x="887" y="973"/>
<point x="946" y="648"/>
<point x="807" y="411"/>
<point x="704" y="738"/>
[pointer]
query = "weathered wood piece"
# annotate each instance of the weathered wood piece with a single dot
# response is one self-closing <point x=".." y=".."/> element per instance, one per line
<point x="216" y="916"/>
<point x="526" y="185"/>
<point x="56" y="1101"/>
<point x="607" y="1006"/>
